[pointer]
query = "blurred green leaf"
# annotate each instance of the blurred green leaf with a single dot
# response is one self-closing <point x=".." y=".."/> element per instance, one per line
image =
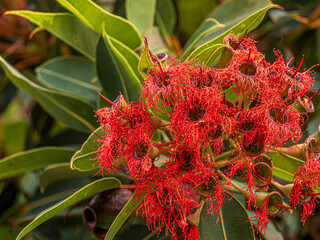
<point x="65" y="27"/>
<point x="74" y="75"/>
<point x="238" y="16"/>
<point x="191" y="14"/>
<point x="93" y="16"/>
<point x="85" y="192"/>
<point x="141" y="13"/>
<point x="145" y="61"/>
<point x="209" y="25"/>
<point x="114" y="71"/>
<point x="210" y="55"/>
<point x="125" y="213"/>
<point x="33" y="159"/>
<point x="81" y="160"/>
<point x="15" y="133"/>
<point x="233" y="224"/>
<point x="156" y="42"/>
<point x="166" y="17"/>
<point x="70" y="110"/>
<point x="59" y="172"/>
<point x="285" y="166"/>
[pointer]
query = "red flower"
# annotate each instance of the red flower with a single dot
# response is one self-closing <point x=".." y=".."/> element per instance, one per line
<point x="306" y="180"/>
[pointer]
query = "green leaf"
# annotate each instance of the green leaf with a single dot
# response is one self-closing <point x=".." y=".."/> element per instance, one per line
<point x="81" y="160"/>
<point x="93" y="16"/>
<point x="285" y="165"/>
<point x="166" y="17"/>
<point x="75" y="75"/>
<point x="211" y="54"/>
<point x="238" y="16"/>
<point x="58" y="172"/>
<point x="65" y="27"/>
<point x="114" y="71"/>
<point x="70" y="110"/>
<point x="85" y="192"/>
<point x="145" y="61"/>
<point x="125" y="213"/>
<point x="209" y="25"/>
<point x="141" y="13"/>
<point x="233" y="224"/>
<point x="156" y="42"/>
<point x="15" y="133"/>
<point x="33" y="159"/>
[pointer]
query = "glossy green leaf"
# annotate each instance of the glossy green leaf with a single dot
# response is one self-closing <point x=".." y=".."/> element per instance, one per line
<point x="93" y="16"/>
<point x="211" y="54"/>
<point x="238" y="16"/>
<point x="125" y="213"/>
<point x="141" y="13"/>
<point x="285" y="166"/>
<point x="209" y="25"/>
<point x="59" y="172"/>
<point x="65" y="27"/>
<point x="85" y="192"/>
<point x="115" y="72"/>
<point x="70" y="110"/>
<point x="74" y="75"/>
<point x="131" y="57"/>
<point x="82" y="159"/>
<point x="166" y="17"/>
<point x="145" y="61"/>
<point x="33" y="159"/>
<point x="233" y="224"/>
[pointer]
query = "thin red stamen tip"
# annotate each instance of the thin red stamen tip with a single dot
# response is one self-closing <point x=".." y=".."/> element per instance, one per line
<point x="248" y="60"/>
<point x="106" y="99"/>
<point x="278" y="205"/>
<point x="240" y="41"/>
<point x="298" y="68"/>
<point x="311" y="194"/>
<point x="318" y="151"/>
<point x="98" y="135"/>
<point x="315" y="94"/>
<point x="4" y="13"/>
<point x="280" y="7"/>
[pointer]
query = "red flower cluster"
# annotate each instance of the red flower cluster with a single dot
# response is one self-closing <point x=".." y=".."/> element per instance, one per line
<point x="188" y="114"/>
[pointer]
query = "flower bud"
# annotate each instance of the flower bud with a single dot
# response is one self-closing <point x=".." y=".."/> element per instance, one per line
<point x="273" y="200"/>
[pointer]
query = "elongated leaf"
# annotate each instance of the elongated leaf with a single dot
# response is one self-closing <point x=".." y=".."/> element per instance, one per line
<point x="125" y="213"/>
<point x="131" y="57"/>
<point x="166" y="17"/>
<point x="145" y="61"/>
<point x="114" y="71"/>
<point x="211" y="54"/>
<point x="15" y="133"/>
<point x="65" y="27"/>
<point x="93" y="16"/>
<point x="238" y="16"/>
<point x="208" y="26"/>
<point x="85" y="192"/>
<point x="70" y="110"/>
<point x="234" y="223"/>
<point x="59" y="172"/>
<point x="33" y="159"/>
<point x="141" y="13"/>
<point x="74" y="75"/>
<point x="285" y="166"/>
<point x="81" y="160"/>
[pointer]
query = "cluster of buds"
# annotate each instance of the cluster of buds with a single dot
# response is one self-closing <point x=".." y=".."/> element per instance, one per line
<point x="196" y="129"/>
